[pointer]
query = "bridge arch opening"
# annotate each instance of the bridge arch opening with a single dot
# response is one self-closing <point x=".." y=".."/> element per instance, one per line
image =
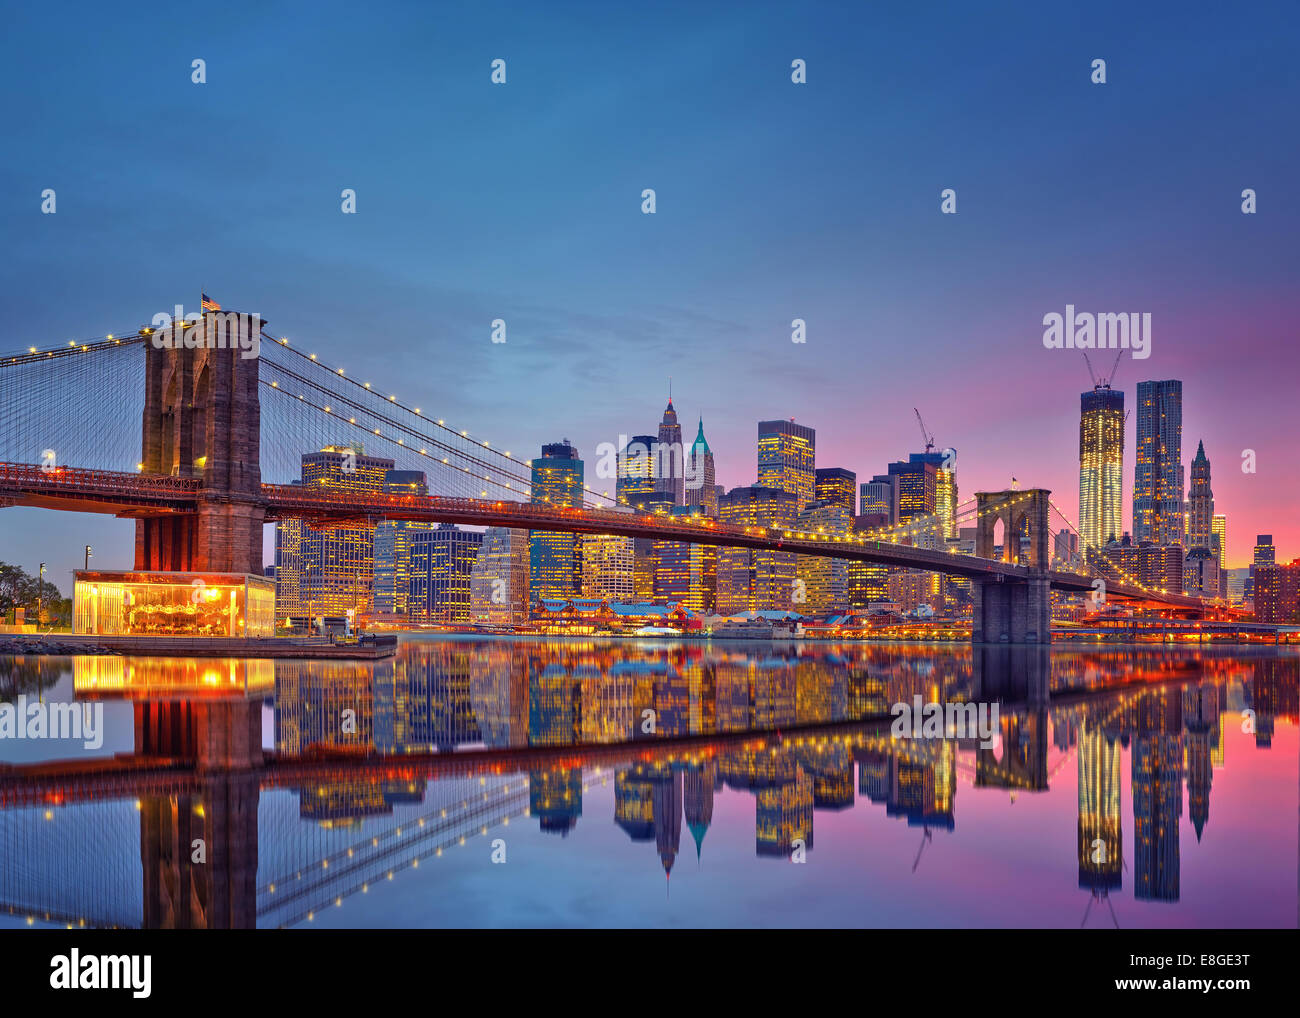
<point x="202" y="390"/>
<point x="1000" y="536"/>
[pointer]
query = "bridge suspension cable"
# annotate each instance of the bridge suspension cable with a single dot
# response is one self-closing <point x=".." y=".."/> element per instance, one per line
<point x="355" y="409"/>
<point x="77" y="405"/>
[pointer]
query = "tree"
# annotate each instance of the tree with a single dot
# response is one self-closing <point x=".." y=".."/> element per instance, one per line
<point x="19" y="589"/>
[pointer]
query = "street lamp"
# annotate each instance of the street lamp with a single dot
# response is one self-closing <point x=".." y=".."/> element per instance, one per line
<point x="40" y="590"/>
<point x="88" y="554"/>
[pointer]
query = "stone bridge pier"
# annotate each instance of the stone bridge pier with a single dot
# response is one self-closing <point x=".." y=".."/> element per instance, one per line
<point x="1009" y="609"/>
<point x="202" y="419"/>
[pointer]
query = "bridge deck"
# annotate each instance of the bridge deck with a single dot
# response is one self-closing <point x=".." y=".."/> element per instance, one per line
<point x="136" y="495"/>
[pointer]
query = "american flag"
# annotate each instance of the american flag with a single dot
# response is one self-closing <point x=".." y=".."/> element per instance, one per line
<point x="208" y="304"/>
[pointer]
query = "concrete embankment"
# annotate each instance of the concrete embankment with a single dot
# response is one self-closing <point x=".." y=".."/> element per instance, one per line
<point x="371" y="648"/>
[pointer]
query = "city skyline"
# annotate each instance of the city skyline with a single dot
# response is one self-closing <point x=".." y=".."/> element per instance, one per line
<point x="522" y="203"/>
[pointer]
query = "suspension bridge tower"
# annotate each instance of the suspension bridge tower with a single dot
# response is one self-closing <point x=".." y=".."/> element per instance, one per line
<point x="202" y="419"/>
<point x="1007" y="609"/>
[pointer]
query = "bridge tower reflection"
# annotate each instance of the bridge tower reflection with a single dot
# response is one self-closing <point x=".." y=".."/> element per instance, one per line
<point x="199" y="851"/>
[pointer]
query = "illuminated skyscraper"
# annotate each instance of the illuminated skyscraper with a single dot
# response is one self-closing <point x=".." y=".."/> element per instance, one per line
<point x="442" y="561"/>
<point x="1201" y="564"/>
<point x="702" y="489"/>
<point x="1277" y="593"/>
<point x="1101" y="843"/>
<point x="607" y="561"/>
<point x="1200" y="503"/>
<point x="636" y="471"/>
<point x="393" y="546"/>
<point x="945" y="488"/>
<point x="823" y="582"/>
<point x="918" y="498"/>
<point x="1158" y="480"/>
<point x="1219" y="529"/>
<point x="498" y="583"/>
<point x="868" y="583"/>
<point x="1156" y="758"/>
<point x="750" y="579"/>
<point x="686" y="573"/>
<point x="669" y="476"/>
<point x="786" y="459"/>
<point x="1101" y="466"/>
<point x="554" y="565"/>
<point x="880" y="496"/>
<point x="329" y="572"/>
<point x="837" y="485"/>
<point x="644" y="565"/>
<point x="1264" y="555"/>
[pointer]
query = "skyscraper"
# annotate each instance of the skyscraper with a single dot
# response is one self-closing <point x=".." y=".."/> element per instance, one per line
<point x="553" y="562"/>
<point x="880" y="497"/>
<point x="918" y="493"/>
<point x="1265" y="555"/>
<point x="868" y="582"/>
<point x="702" y="488"/>
<point x="393" y="546"/>
<point x="1200" y="503"/>
<point x="636" y="471"/>
<point x="442" y="561"/>
<point x="498" y="583"/>
<point x="823" y="582"/>
<point x="669" y="477"/>
<point x="1220" y="530"/>
<point x="750" y="579"/>
<point x="945" y="488"/>
<point x="1101" y="466"/>
<point x="1158" y="479"/>
<point x="786" y="459"/>
<point x="328" y="572"/>
<point x="835" y="484"/>
<point x="686" y="573"/>
<point x="607" y="561"/>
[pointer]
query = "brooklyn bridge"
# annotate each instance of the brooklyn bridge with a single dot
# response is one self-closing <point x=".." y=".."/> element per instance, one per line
<point x="200" y="444"/>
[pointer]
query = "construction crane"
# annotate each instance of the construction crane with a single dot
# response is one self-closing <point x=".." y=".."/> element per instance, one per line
<point x="1103" y="383"/>
<point x="928" y="438"/>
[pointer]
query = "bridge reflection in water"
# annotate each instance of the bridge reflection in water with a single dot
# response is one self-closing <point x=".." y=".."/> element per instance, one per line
<point x="260" y="793"/>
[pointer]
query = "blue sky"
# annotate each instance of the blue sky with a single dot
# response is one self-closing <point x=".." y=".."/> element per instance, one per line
<point x="774" y="201"/>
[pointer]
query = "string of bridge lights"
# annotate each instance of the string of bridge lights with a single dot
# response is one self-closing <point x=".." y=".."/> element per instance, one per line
<point x="87" y="346"/>
<point x="435" y="852"/>
<point x="1102" y="551"/>
<point x="352" y="421"/>
<point x="339" y="372"/>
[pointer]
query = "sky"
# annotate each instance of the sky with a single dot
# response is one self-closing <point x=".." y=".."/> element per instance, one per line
<point x="819" y="201"/>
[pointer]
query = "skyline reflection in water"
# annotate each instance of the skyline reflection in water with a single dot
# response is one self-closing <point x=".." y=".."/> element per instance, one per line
<point x="1132" y="787"/>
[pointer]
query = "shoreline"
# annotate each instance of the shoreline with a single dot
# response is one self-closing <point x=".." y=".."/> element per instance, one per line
<point x="375" y="648"/>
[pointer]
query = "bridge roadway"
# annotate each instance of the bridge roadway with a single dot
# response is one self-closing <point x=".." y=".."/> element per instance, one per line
<point x="137" y="495"/>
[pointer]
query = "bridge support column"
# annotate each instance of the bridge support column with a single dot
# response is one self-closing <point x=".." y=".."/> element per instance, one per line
<point x="202" y="419"/>
<point x="1006" y="608"/>
<point x="229" y="537"/>
<point x="166" y="543"/>
<point x="1011" y="611"/>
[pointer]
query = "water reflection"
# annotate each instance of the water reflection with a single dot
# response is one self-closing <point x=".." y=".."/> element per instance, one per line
<point x="265" y="793"/>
